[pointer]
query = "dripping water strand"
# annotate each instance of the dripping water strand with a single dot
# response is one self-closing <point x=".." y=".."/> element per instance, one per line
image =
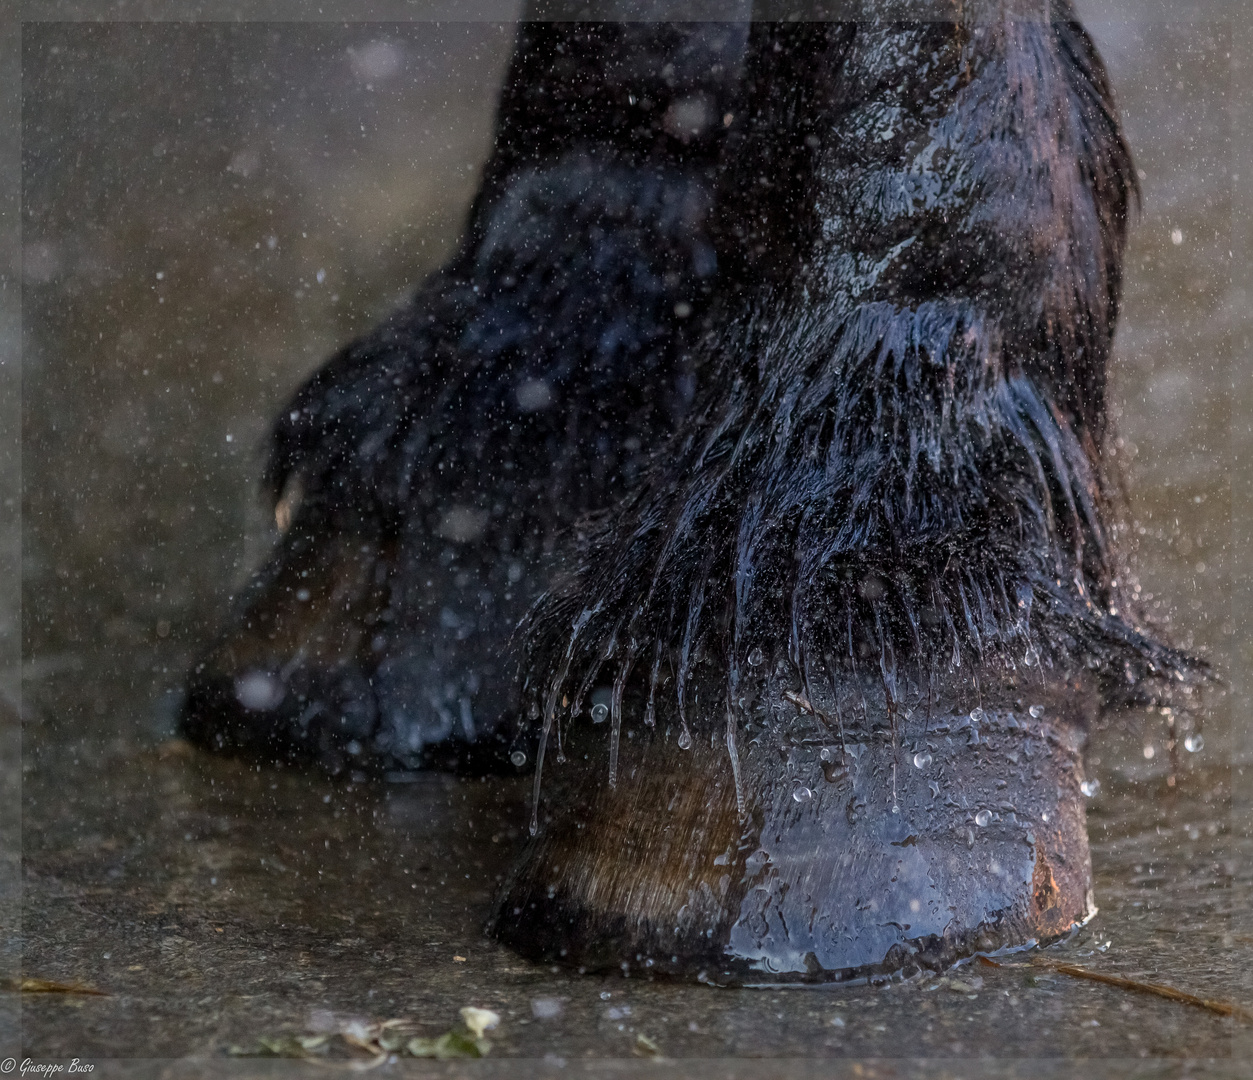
<point x="686" y="650"/>
<point x="650" y="713"/>
<point x="605" y="654"/>
<point x="735" y="760"/>
<point x="550" y="713"/>
<point x="835" y="705"/>
<point x="550" y="709"/>
<point x="887" y="673"/>
<point x="615" y="725"/>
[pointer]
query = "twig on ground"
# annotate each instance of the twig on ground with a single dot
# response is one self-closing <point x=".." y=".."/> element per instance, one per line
<point x="1222" y="1008"/>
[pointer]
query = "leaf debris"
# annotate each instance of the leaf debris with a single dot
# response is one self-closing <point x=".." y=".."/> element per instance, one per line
<point x="380" y="1040"/>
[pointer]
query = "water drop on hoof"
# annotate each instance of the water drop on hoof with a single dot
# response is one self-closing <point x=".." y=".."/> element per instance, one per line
<point x="518" y="758"/>
<point x="976" y="716"/>
<point x="832" y="765"/>
<point x="922" y="759"/>
<point x="983" y="817"/>
<point x="802" y="794"/>
<point x="1090" y="787"/>
<point x="600" y="713"/>
<point x="1036" y="711"/>
<point x="1193" y="743"/>
<point x="756" y="658"/>
<point x="685" y="739"/>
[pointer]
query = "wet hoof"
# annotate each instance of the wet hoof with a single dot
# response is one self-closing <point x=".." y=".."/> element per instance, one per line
<point x="323" y="665"/>
<point x="527" y="383"/>
<point x="870" y="855"/>
<point x="892" y="478"/>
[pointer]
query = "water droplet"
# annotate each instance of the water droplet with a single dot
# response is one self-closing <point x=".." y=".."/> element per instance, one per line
<point x="1030" y="657"/>
<point x="518" y="758"/>
<point x="802" y="794"/>
<point x="259" y="691"/>
<point x="1090" y="787"/>
<point x="895" y="809"/>
<point x="922" y="759"/>
<point x="832" y="768"/>
<point x="756" y="658"/>
<point x="983" y="817"/>
<point x="1036" y="711"/>
<point x="976" y="716"/>
<point x="685" y="739"/>
<point x="600" y="713"/>
<point x="1192" y="743"/>
<point x="1150" y="751"/>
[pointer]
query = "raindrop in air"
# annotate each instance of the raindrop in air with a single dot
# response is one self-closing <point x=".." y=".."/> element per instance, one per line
<point x="600" y="713"/>
<point x="922" y="759"/>
<point x="1036" y="711"/>
<point x="756" y="658"/>
<point x="518" y="758"/>
<point x="802" y="794"/>
<point x="983" y="817"/>
<point x="259" y="691"/>
<point x="1090" y="787"/>
<point x="1193" y="742"/>
<point x="685" y="739"/>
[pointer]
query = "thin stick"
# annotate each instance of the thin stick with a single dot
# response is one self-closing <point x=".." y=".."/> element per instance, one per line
<point x="1222" y="1008"/>
<point x="48" y="986"/>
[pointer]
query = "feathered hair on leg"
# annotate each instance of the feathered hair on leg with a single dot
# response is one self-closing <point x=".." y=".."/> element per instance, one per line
<point x="894" y="462"/>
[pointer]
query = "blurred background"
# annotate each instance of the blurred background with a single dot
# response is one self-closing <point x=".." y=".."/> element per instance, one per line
<point x="209" y="209"/>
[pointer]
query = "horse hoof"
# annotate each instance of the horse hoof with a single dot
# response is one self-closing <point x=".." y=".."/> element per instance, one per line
<point x="911" y="839"/>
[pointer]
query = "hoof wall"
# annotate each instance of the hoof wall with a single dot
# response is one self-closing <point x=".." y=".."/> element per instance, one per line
<point x="874" y="855"/>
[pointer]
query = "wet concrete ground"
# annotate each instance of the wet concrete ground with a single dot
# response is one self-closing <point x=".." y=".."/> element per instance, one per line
<point x="215" y="905"/>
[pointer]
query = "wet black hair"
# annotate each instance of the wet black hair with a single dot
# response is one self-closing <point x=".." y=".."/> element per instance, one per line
<point x="894" y="462"/>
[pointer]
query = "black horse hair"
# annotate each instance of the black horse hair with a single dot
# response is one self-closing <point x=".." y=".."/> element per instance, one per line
<point x="894" y="460"/>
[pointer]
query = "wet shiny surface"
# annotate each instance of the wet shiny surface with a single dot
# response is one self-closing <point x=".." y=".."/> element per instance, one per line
<point x="216" y="904"/>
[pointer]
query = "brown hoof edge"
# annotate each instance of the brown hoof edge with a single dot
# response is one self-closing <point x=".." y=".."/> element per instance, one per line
<point x="872" y="856"/>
